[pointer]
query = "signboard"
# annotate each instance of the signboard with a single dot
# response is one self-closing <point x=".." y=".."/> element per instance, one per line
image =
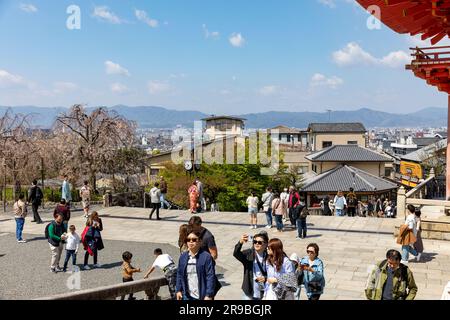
<point x="410" y="173"/>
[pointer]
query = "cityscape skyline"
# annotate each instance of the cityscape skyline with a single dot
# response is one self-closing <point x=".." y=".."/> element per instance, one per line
<point x="220" y="57"/>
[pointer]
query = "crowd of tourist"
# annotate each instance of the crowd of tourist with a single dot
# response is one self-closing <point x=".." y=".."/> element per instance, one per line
<point x="269" y="272"/>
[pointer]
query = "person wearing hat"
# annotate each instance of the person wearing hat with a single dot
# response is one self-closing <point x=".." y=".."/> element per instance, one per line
<point x="298" y="273"/>
<point x="254" y="262"/>
<point x="163" y="188"/>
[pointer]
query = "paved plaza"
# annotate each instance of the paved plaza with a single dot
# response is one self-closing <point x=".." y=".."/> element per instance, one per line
<point x="348" y="246"/>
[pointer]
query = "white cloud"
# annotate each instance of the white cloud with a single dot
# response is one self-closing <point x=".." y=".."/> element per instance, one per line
<point x="9" y="80"/>
<point x="210" y="34"/>
<point x="269" y="90"/>
<point x="64" y="87"/>
<point x="119" y="88"/>
<point x="225" y="92"/>
<point x="353" y="54"/>
<point x="28" y="8"/>
<point x="416" y="41"/>
<point x="104" y="14"/>
<point x="319" y="80"/>
<point x="237" y="40"/>
<point x="328" y="3"/>
<point x="142" y="16"/>
<point x="332" y="3"/>
<point x="396" y="59"/>
<point x="114" y="68"/>
<point x="177" y="76"/>
<point x="157" y="87"/>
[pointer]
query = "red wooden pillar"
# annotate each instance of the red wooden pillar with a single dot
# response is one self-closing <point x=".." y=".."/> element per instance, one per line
<point x="447" y="174"/>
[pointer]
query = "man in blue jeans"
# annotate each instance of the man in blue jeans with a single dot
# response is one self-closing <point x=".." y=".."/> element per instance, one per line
<point x="20" y="212"/>
<point x="267" y="206"/>
<point x="340" y="203"/>
<point x="163" y="188"/>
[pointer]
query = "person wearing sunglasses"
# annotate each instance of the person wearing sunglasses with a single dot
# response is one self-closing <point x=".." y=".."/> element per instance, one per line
<point x="281" y="279"/>
<point x="254" y="262"/>
<point x="196" y="272"/>
<point x="313" y="276"/>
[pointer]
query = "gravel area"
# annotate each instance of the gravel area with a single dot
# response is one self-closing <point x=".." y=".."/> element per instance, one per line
<point x="25" y="268"/>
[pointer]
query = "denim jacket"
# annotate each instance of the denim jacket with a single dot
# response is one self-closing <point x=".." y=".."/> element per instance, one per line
<point x="313" y="277"/>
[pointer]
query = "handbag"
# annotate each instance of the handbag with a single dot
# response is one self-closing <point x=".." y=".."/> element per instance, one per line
<point x="315" y="287"/>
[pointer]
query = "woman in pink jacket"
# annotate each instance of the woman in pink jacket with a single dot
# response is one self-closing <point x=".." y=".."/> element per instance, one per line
<point x="278" y="208"/>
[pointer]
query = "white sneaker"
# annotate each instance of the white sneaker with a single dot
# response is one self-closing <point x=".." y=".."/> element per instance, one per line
<point x="418" y="257"/>
<point x="268" y="227"/>
<point x="252" y="227"/>
<point x="98" y="265"/>
<point x="22" y="241"/>
<point x="87" y="267"/>
<point x="255" y="227"/>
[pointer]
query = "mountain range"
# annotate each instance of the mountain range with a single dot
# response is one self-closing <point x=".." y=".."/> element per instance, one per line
<point x="158" y="117"/>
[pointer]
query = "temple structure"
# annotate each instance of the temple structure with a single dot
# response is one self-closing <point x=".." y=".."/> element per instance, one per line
<point x="431" y="20"/>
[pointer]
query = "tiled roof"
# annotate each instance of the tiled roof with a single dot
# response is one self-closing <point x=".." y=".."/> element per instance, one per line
<point x="347" y="153"/>
<point x="284" y="129"/>
<point x="337" y="127"/>
<point x="223" y="117"/>
<point x="343" y="178"/>
<point x="423" y="153"/>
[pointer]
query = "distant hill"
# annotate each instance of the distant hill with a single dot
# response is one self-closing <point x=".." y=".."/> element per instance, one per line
<point x="158" y="117"/>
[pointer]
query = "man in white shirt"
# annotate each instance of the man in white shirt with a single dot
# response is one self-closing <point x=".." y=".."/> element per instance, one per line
<point x="284" y="196"/>
<point x="339" y="203"/>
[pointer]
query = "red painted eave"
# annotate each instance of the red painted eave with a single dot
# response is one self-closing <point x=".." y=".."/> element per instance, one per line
<point x="430" y="18"/>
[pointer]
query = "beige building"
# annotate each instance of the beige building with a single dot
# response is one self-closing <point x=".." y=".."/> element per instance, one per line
<point x="324" y="135"/>
<point x="353" y="155"/>
<point x="223" y="126"/>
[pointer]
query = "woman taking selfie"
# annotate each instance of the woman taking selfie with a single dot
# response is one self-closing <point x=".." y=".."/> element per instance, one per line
<point x="312" y="267"/>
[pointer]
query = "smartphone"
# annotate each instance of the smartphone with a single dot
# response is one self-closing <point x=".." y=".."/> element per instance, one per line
<point x="305" y="266"/>
<point x="250" y="239"/>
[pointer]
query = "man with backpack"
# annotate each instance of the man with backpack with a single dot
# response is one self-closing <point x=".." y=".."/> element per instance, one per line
<point x="391" y="280"/>
<point x="55" y="233"/>
<point x="352" y="202"/>
<point x="35" y="197"/>
<point x="293" y="205"/>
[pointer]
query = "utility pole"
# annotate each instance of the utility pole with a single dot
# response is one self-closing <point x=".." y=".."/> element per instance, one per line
<point x="329" y="114"/>
<point x="4" y="184"/>
<point x="42" y="178"/>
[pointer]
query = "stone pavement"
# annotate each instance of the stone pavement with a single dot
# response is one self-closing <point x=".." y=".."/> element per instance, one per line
<point x="348" y="246"/>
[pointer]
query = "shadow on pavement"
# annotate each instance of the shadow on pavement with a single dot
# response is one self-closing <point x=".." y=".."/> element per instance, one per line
<point x="111" y="265"/>
<point x="313" y="236"/>
<point x="426" y="257"/>
<point x="36" y="239"/>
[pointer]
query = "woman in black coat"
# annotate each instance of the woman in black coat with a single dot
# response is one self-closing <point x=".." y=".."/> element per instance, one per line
<point x="254" y="262"/>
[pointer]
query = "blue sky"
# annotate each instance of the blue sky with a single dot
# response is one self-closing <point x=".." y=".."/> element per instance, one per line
<point x="215" y="56"/>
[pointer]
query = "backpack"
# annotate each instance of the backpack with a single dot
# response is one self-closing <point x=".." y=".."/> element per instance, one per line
<point x="47" y="236"/>
<point x="38" y="196"/>
<point x="352" y="201"/>
<point x="304" y="213"/>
